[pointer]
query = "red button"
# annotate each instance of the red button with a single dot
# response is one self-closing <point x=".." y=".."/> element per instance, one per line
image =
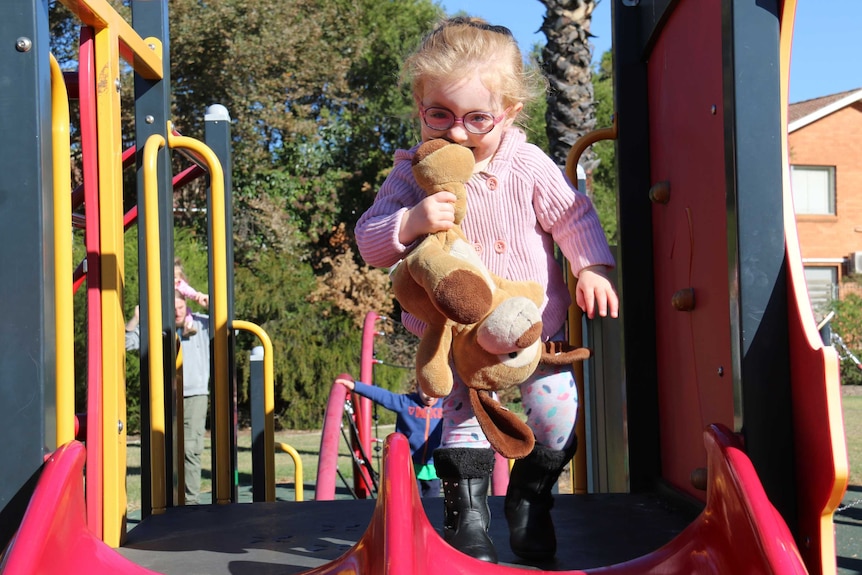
<point x="499" y="246"/>
<point x="492" y="183"/>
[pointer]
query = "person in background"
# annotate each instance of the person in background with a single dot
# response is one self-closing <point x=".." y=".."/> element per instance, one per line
<point x="418" y="418"/>
<point x="470" y="85"/>
<point x="181" y="284"/>
<point x="194" y="378"/>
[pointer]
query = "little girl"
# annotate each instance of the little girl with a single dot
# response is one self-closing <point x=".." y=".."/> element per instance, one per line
<point x="181" y="284"/>
<point x="469" y="86"/>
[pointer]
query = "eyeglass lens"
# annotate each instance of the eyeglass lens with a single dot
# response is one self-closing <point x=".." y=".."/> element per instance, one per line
<point x="474" y="122"/>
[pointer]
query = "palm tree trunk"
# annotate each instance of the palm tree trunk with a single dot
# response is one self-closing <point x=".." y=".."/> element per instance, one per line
<point x="566" y="60"/>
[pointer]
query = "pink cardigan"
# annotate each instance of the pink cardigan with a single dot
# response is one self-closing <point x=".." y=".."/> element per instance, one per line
<point x="517" y="208"/>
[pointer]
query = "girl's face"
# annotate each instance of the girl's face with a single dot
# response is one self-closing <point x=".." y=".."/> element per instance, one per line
<point x="461" y="98"/>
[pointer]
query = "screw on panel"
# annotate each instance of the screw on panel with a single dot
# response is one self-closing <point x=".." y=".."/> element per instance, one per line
<point x="683" y="300"/>
<point x="699" y="478"/>
<point x="23" y="44"/>
<point x="659" y="193"/>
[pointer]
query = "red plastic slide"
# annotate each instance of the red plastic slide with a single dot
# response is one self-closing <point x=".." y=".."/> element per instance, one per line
<point x="739" y="531"/>
<point x="53" y="538"/>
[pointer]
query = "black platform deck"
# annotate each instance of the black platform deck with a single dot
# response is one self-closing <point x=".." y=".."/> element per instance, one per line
<point x="289" y="537"/>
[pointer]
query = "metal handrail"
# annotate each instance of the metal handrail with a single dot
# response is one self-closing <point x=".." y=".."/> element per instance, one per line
<point x="154" y="323"/>
<point x="219" y="318"/>
<point x="297" y="472"/>
<point x="63" y="301"/>
<point x="268" y="404"/>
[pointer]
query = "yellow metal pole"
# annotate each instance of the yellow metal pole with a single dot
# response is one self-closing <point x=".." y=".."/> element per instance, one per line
<point x="64" y="314"/>
<point x="297" y="473"/>
<point x="222" y="417"/>
<point x="154" y="322"/>
<point x="114" y="38"/>
<point x="112" y="269"/>
<point x="135" y="50"/>
<point x="268" y="405"/>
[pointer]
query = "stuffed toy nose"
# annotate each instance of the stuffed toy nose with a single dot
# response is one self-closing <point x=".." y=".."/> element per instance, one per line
<point x="512" y="326"/>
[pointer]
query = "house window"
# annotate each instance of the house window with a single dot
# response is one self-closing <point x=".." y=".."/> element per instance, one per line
<point x="813" y="189"/>
<point x="822" y="282"/>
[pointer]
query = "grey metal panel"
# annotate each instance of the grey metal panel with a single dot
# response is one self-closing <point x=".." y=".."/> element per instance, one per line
<point x="635" y="261"/>
<point x="756" y="252"/>
<point x="27" y="352"/>
<point x="605" y="408"/>
<point x="152" y="112"/>
<point x="217" y="138"/>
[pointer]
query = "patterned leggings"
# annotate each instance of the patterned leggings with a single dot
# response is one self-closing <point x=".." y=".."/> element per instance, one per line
<point x="550" y="400"/>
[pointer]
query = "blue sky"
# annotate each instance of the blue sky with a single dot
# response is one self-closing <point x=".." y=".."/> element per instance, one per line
<point x="827" y="39"/>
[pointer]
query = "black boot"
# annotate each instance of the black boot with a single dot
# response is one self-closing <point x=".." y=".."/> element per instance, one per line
<point x="529" y="502"/>
<point x="466" y="475"/>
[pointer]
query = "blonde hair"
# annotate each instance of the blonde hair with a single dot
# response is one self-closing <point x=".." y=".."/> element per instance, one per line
<point x="466" y="43"/>
<point x="178" y="267"/>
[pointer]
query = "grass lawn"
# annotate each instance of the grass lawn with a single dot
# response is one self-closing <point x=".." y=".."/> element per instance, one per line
<point x="307" y="444"/>
<point x="852" y="407"/>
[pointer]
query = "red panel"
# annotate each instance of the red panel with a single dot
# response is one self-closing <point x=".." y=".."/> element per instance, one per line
<point x="90" y="154"/>
<point x="689" y="235"/>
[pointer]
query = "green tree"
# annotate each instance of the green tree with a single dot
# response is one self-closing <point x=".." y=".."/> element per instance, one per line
<point x="536" y="109"/>
<point x="603" y="178"/>
<point x="847" y="324"/>
<point x="317" y="111"/>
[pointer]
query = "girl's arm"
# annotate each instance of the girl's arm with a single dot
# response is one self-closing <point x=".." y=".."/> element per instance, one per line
<point x="392" y="401"/>
<point x="185" y="289"/>
<point x="378" y="231"/>
<point x="571" y="219"/>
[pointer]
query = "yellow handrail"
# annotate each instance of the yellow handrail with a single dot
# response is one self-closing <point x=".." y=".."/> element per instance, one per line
<point x="585" y="142"/>
<point x="268" y="405"/>
<point x="579" y="463"/>
<point x="64" y="317"/>
<point x="136" y="51"/>
<point x="297" y="472"/>
<point x="218" y="321"/>
<point x="154" y="323"/>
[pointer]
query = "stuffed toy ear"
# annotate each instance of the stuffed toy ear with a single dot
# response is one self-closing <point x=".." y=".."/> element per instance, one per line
<point x="509" y="436"/>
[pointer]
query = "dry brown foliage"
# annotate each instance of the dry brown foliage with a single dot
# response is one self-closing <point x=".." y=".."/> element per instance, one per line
<point x="353" y="288"/>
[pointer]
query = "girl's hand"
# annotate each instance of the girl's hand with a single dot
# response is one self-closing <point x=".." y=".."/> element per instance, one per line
<point x="204" y="300"/>
<point x="345" y="382"/>
<point x="596" y="293"/>
<point x="436" y="213"/>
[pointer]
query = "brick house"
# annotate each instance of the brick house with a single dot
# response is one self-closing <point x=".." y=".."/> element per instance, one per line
<point x="825" y="149"/>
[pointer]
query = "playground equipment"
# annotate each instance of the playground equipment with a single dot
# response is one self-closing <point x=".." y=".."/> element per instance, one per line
<point x="713" y="441"/>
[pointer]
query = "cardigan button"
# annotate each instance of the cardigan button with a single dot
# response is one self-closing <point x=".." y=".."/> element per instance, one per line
<point x="499" y="246"/>
<point x="492" y="183"/>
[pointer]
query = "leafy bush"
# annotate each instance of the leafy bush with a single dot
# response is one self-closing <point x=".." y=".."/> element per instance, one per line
<point x="847" y="323"/>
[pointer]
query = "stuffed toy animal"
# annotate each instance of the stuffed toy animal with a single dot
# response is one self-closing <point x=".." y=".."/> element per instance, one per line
<point x="488" y="327"/>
